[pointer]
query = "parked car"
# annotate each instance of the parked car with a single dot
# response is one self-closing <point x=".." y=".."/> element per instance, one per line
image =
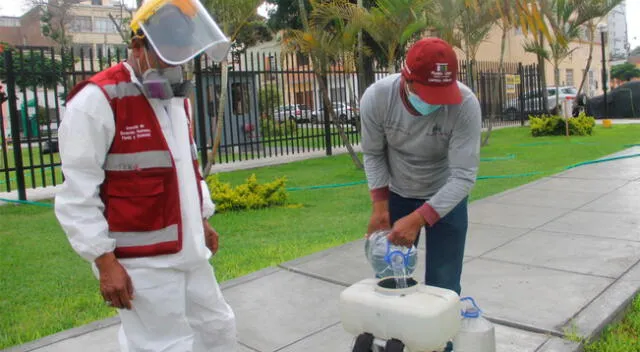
<point x="342" y="112"/>
<point x="622" y="101"/>
<point x="533" y="101"/>
<point x="297" y="112"/>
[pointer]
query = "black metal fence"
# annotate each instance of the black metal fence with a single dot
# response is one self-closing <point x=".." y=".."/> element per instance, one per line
<point x="273" y="106"/>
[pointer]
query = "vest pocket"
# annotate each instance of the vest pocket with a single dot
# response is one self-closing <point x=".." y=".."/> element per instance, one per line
<point x="136" y="205"/>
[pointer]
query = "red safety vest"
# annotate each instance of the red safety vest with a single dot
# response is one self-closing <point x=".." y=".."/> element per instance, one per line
<point x="141" y="190"/>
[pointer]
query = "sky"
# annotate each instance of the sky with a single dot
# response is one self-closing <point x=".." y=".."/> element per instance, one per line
<point x="17" y="7"/>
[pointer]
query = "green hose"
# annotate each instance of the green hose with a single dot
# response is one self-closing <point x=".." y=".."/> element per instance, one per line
<point x="27" y="202"/>
<point x="337" y="185"/>
<point x="497" y="158"/>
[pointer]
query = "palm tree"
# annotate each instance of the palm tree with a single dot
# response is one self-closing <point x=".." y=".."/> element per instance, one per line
<point x="562" y="13"/>
<point x="393" y="23"/>
<point x="330" y="31"/>
<point x="502" y="11"/>
<point x="232" y="16"/>
<point x="590" y="12"/>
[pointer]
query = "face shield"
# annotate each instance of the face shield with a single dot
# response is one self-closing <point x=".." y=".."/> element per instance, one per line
<point x="179" y="30"/>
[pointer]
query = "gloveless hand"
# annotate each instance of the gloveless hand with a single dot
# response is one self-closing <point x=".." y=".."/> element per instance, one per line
<point x="406" y="230"/>
<point x="115" y="284"/>
<point x="211" y="237"/>
<point x="380" y="219"/>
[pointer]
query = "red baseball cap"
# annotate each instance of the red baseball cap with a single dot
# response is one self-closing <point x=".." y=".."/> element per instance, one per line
<point x="432" y="67"/>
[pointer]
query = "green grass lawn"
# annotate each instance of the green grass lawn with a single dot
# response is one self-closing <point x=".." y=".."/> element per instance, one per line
<point x="33" y="177"/>
<point x="623" y="336"/>
<point x="47" y="288"/>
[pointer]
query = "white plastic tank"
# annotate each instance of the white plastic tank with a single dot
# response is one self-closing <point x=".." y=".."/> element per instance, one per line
<point x="423" y="317"/>
<point x="476" y="334"/>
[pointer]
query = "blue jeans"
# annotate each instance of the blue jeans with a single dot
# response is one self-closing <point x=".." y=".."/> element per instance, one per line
<point x="445" y="241"/>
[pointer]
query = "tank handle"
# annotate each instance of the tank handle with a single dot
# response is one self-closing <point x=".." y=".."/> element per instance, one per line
<point x="470" y="313"/>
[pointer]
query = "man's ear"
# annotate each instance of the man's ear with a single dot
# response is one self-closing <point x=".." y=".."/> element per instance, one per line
<point x="137" y="47"/>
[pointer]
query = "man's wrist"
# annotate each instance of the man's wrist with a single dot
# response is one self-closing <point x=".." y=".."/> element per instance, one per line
<point x="105" y="260"/>
<point x="379" y="194"/>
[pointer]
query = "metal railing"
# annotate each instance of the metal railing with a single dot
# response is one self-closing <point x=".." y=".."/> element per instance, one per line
<point x="274" y="106"/>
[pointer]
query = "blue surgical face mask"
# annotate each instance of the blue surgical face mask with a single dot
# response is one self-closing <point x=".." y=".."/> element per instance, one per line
<point x="421" y="106"/>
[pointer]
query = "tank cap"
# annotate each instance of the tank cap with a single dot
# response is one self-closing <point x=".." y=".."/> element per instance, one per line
<point x="472" y="312"/>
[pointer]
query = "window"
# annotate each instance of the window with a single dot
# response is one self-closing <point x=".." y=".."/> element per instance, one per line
<point x="104" y="25"/>
<point x="82" y="49"/>
<point x="240" y="98"/>
<point x="81" y="24"/>
<point x="9" y="22"/>
<point x="96" y="2"/>
<point x="569" y="77"/>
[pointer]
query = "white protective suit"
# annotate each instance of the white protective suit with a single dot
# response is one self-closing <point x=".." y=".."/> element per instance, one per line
<point x="177" y="305"/>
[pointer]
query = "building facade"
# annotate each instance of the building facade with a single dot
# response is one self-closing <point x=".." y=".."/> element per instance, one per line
<point x="89" y="26"/>
<point x="618" y="38"/>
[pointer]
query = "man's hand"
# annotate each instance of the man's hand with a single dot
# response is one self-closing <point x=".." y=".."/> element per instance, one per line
<point x="406" y="230"/>
<point x="115" y="284"/>
<point x="210" y="236"/>
<point x="380" y="219"/>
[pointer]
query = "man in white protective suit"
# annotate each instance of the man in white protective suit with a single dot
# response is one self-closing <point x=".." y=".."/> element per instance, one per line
<point x="134" y="203"/>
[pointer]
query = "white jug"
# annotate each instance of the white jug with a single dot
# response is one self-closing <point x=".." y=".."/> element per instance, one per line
<point x="476" y="333"/>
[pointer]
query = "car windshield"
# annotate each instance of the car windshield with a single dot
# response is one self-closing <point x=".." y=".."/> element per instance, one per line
<point x="569" y="90"/>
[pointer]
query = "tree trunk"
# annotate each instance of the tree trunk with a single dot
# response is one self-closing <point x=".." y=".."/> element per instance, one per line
<point x="503" y="44"/>
<point x="589" y="59"/>
<point x="222" y="102"/>
<point x="332" y="118"/>
<point x="543" y="76"/>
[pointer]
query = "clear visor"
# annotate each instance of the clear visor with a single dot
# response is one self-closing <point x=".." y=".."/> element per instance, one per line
<point x="182" y="29"/>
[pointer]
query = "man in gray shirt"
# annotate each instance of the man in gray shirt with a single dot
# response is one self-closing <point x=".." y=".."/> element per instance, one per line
<point x="421" y="143"/>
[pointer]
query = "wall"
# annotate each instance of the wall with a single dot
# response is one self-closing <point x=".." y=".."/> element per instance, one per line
<point x="514" y="52"/>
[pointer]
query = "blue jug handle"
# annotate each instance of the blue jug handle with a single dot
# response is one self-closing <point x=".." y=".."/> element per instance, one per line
<point x="470" y="314"/>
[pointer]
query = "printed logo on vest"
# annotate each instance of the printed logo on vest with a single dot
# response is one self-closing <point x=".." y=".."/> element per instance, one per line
<point x="135" y="132"/>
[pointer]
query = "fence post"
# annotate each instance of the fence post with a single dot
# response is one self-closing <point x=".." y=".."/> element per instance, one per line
<point x="326" y="112"/>
<point x="14" y="117"/>
<point x="521" y="92"/>
<point x="199" y="125"/>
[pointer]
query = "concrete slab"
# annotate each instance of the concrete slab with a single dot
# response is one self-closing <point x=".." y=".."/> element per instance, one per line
<point x="607" y="306"/>
<point x="633" y="275"/>
<point x="578" y="185"/>
<point x="526" y="295"/>
<point x="607" y="225"/>
<point x="336" y="339"/>
<point x="347" y="264"/>
<point x="106" y="339"/>
<point x="344" y="265"/>
<point x="615" y="203"/>
<point x="630" y="189"/>
<point x="483" y="238"/>
<point x="602" y="171"/>
<point x="279" y="309"/>
<point x="509" y="215"/>
<point x="557" y="344"/>
<point x="549" y="198"/>
<point x="333" y="338"/>
<point x="515" y="340"/>
<point x="576" y="253"/>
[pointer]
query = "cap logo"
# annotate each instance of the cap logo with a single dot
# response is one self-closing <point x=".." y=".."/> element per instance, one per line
<point x="441" y="74"/>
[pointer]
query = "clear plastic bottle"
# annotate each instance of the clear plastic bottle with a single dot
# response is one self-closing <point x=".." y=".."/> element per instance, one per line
<point x="389" y="260"/>
<point x="476" y="333"/>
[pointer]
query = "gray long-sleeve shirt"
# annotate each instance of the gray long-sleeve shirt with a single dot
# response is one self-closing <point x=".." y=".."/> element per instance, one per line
<point x="433" y="157"/>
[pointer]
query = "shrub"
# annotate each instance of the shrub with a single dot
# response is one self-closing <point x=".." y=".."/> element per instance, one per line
<point x="553" y="125"/>
<point x="270" y="128"/>
<point x="249" y="195"/>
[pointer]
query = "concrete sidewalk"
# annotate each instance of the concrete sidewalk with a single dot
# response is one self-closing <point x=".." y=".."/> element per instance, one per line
<point x="556" y="256"/>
